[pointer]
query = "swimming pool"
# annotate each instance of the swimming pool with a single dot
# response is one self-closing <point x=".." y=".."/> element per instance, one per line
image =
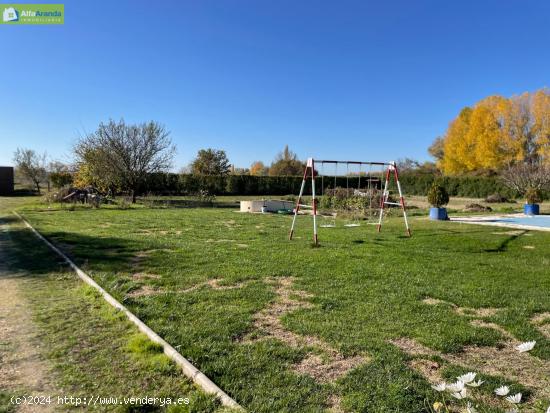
<point x="536" y="222"/>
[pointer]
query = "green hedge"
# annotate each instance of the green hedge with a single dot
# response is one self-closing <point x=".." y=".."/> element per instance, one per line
<point x="175" y="184"/>
<point x="461" y="186"/>
<point x="412" y="184"/>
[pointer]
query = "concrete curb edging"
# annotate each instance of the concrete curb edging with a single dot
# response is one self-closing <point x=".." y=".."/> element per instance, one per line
<point x="188" y="369"/>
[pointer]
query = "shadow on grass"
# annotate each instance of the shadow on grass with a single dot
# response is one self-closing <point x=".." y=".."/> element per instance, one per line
<point x="8" y="219"/>
<point x="503" y="246"/>
<point x="24" y="252"/>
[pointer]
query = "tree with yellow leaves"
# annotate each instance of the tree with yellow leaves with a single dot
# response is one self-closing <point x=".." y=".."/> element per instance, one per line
<point x="541" y="124"/>
<point x="258" y="168"/>
<point x="497" y="132"/>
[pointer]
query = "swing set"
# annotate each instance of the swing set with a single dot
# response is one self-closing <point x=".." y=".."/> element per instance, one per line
<point x="371" y="181"/>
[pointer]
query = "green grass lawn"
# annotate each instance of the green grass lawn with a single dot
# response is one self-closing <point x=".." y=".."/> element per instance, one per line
<point x="91" y="349"/>
<point x="357" y="295"/>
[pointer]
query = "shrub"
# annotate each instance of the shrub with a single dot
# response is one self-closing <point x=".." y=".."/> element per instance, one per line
<point x="351" y="200"/>
<point x="533" y="196"/>
<point x="61" y="179"/>
<point x="124" y="203"/>
<point x="477" y="208"/>
<point x="204" y="196"/>
<point x="496" y="198"/>
<point x="438" y="196"/>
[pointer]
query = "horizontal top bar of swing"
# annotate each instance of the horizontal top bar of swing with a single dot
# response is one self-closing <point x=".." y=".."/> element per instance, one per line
<point x="351" y="162"/>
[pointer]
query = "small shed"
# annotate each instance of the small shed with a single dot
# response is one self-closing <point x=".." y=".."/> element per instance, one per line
<point x="6" y="180"/>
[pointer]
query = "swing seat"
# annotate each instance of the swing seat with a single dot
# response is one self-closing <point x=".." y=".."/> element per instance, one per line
<point x="328" y="226"/>
<point x="352" y="225"/>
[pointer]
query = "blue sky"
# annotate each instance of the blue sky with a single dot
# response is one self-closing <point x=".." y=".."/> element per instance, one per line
<point x="342" y="79"/>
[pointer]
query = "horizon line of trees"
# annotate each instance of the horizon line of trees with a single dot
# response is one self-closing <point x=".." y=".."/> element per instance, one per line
<point x="496" y="136"/>
<point x="118" y="157"/>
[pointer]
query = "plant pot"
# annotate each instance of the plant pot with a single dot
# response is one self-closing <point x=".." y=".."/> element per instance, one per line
<point x="531" y="209"/>
<point x="438" y="214"/>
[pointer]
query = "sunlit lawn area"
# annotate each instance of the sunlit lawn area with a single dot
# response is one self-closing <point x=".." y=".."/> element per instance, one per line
<point x="363" y="323"/>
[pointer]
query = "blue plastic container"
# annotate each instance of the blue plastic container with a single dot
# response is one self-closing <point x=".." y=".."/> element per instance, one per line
<point x="531" y="209"/>
<point x="438" y="214"/>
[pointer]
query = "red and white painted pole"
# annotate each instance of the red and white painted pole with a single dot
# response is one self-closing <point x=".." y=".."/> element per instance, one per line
<point x="383" y="198"/>
<point x="311" y="164"/>
<point x="401" y="199"/>
<point x="297" y="209"/>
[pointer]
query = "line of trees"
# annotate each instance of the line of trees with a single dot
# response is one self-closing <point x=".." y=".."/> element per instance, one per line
<point x="497" y="136"/>
<point x="119" y="157"/>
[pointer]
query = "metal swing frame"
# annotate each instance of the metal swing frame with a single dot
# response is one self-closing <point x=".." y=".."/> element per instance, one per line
<point x="310" y="172"/>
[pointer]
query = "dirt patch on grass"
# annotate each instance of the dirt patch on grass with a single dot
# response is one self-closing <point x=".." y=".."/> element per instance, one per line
<point x="507" y="362"/>
<point x="433" y="301"/>
<point x="327" y="363"/>
<point x="545" y="330"/>
<point x="334" y="404"/>
<point x="430" y="369"/>
<point x="145" y="290"/>
<point x="504" y="361"/>
<point x="214" y="283"/>
<point x="513" y="232"/>
<point x="501" y="330"/>
<point x="140" y="256"/>
<point x="412" y="347"/>
<point x="529" y="247"/>
<point x="541" y="318"/>
<point x="542" y="323"/>
<point x="481" y="312"/>
<point x="145" y="276"/>
<point x="230" y="224"/>
<point x="144" y="232"/>
<point x="326" y="371"/>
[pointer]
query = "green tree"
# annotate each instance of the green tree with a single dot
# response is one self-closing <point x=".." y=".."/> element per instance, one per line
<point x="59" y="174"/>
<point x="211" y="162"/>
<point x="286" y="163"/>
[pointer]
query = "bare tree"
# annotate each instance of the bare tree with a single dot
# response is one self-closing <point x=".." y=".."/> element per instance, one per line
<point x="437" y="148"/>
<point x="31" y="165"/>
<point x="124" y="155"/>
<point x="407" y="165"/>
<point x="523" y="176"/>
